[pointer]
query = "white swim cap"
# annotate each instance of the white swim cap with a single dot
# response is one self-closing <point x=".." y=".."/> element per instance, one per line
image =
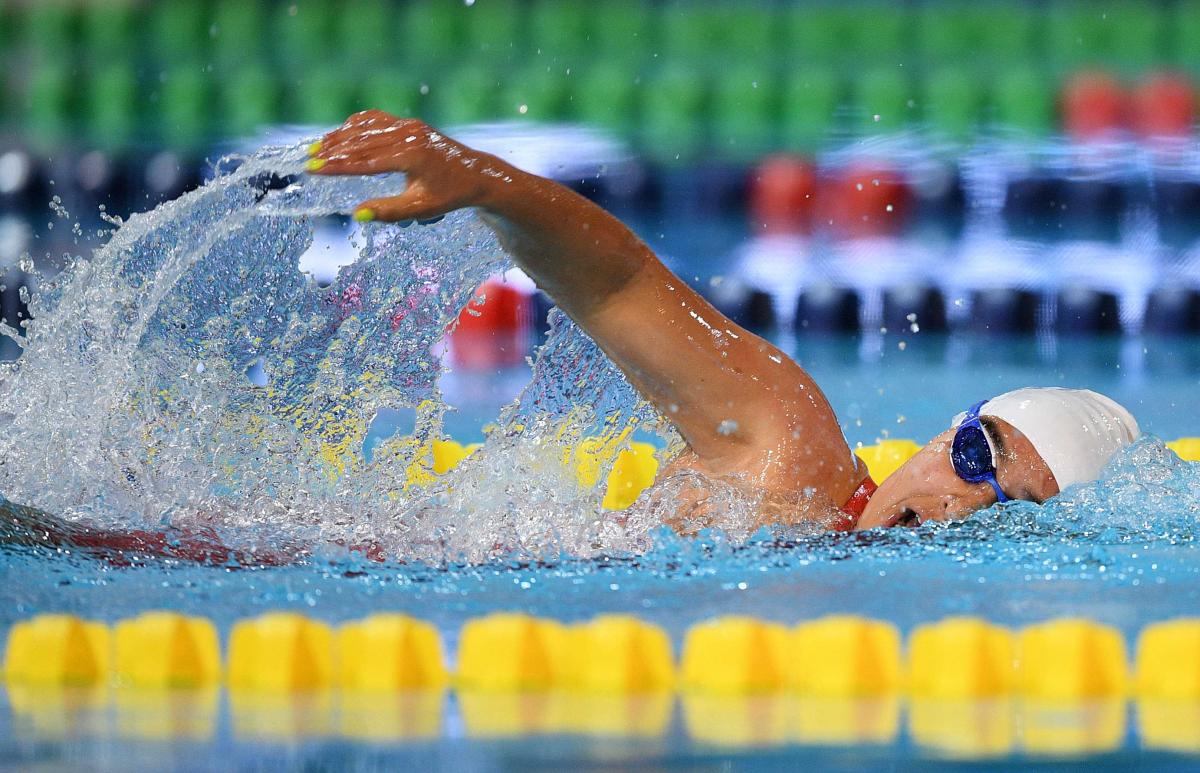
<point x="1076" y="431"/>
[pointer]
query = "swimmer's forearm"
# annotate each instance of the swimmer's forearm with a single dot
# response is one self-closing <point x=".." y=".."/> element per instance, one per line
<point x="577" y="253"/>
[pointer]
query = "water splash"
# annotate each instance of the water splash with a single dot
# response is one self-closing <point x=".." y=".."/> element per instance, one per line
<point x="131" y="408"/>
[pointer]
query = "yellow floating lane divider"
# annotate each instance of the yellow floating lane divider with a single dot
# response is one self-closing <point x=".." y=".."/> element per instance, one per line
<point x="280" y="651"/>
<point x="448" y="454"/>
<point x="1071" y="659"/>
<point x="59" y="651"/>
<point x="166" y="649"/>
<point x="512" y="652"/>
<point x="508" y="664"/>
<point x="735" y="655"/>
<point x="961" y="657"/>
<point x="632" y="473"/>
<point x="636" y="466"/>
<point x="886" y="456"/>
<point x="1168" y="660"/>
<point x="390" y="652"/>
<point x="620" y="654"/>
<point x="1168" y="685"/>
<point x="1188" y="448"/>
<point x="844" y="656"/>
<point x="961" y="671"/>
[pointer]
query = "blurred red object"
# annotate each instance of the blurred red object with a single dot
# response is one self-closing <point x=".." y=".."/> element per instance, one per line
<point x="1163" y="106"/>
<point x="1093" y="106"/>
<point x="782" y="195"/>
<point x="864" y="200"/>
<point x="493" y="328"/>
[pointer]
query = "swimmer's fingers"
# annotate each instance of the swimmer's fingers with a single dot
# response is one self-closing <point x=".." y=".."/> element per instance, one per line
<point x="365" y="124"/>
<point x="363" y="160"/>
<point x="377" y="147"/>
<point x="370" y="143"/>
<point x="416" y="203"/>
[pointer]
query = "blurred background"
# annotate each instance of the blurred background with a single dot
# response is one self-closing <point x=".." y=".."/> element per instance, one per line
<point x="818" y="169"/>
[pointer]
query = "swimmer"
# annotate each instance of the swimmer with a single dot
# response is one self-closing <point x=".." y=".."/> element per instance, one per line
<point x="745" y="409"/>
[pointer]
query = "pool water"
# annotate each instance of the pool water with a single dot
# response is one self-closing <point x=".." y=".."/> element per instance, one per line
<point x="1013" y="566"/>
<point x="1121" y="551"/>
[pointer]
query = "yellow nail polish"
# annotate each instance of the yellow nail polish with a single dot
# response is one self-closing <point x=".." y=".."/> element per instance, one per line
<point x="364" y="215"/>
<point x="314" y="148"/>
<point x="315" y="164"/>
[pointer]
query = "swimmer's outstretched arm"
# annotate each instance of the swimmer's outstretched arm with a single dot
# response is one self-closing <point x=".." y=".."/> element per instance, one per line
<point x="741" y="405"/>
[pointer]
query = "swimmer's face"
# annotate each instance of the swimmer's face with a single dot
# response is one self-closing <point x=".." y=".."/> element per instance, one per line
<point x="926" y="488"/>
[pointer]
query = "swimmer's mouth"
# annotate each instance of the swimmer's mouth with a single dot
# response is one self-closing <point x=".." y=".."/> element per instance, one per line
<point x="906" y="518"/>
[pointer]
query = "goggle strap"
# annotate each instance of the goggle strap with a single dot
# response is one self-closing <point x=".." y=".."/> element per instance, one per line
<point x="1000" y="497"/>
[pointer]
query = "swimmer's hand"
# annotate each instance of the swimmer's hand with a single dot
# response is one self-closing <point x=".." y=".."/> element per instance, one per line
<point x="443" y="175"/>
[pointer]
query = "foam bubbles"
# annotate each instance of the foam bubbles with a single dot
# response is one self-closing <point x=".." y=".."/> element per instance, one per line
<point x="131" y="406"/>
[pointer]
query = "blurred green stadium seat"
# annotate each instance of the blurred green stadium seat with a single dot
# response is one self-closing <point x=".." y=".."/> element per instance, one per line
<point x="687" y="32"/>
<point x="1007" y="31"/>
<point x="323" y="96"/>
<point x="180" y="30"/>
<point x="621" y="31"/>
<point x="496" y="29"/>
<point x="953" y="101"/>
<point x="109" y="29"/>
<point x="537" y="92"/>
<point x="48" y="28"/>
<point x="1076" y="34"/>
<point x="47" y="109"/>
<point x="366" y="32"/>
<point x="1023" y="100"/>
<point x="815" y="33"/>
<point x="558" y="29"/>
<point x="878" y="33"/>
<point x="110" y="106"/>
<point x="755" y="36"/>
<point x="884" y="100"/>
<point x="249" y="101"/>
<point x="809" y="102"/>
<point x="392" y="89"/>
<point x="1184" y="28"/>
<point x="1136" y="36"/>
<point x="744" y="112"/>
<point x="184" y="110"/>
<point x="239" y="31"/>
<point x="430" y="31"/>
<point x="605" y="95"/>
<point x="465" y="94"/>
<point x="944" y="31"/>
<point x="303" y="34"/>
<point x="673" y="101"/>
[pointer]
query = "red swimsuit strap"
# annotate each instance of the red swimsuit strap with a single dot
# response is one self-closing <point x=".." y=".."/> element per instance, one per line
<point x="856" y="504"/>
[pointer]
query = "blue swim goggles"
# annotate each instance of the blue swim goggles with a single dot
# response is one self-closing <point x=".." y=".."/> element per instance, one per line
<point x="971" y="453"/>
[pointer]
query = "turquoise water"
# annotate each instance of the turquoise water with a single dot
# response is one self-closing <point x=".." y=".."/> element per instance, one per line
<point x="1121" y="551"/>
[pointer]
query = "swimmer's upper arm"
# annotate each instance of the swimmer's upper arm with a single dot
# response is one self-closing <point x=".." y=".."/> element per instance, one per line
<point x="739" y="402"/>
